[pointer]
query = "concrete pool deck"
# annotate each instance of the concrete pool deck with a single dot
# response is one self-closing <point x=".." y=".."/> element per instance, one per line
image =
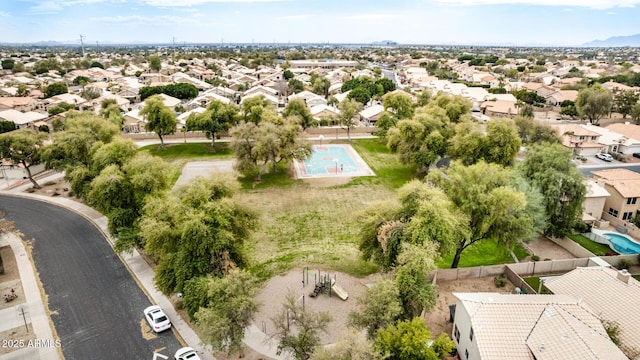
<point x="330" y="161"/>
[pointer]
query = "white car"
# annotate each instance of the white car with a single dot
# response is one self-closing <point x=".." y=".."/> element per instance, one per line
<point x="157" y="319"/>
<point x="605" y="157"/>
<point x="186" y="353"/>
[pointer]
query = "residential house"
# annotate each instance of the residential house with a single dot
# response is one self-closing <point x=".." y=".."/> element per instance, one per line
<point x="309" y="98"/>
<point x="323" y="111"/>
<point x="500" y="108"/>
<point x="371" y="114"/>
<point x="630" y="140"/>
<point x="324" y="64"/>
<point x="557" y="97"/>
<point x="615" y="142"/>
<point x="206" y="98"/>
<point x="22" y="119"/>
<point x="272" y="99"/>
<point x="133" y="121"/>
<point x="594" y="200"/>
<point x="180" y="77"/>
<point x="261" y="90"/>
<point x="613" y="295"/>
<point x="20" y="103"/>
<point x="580" y="139"/>
<point x="624" y="202"/>
<point x="497" y="326"/>
<point x="182" y="118"/>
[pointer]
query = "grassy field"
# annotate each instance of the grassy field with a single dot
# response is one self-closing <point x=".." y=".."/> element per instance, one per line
<point x="485" y="252"/>
<point x="534" y="282"/>
<point x="594" y="247"/>
<point x="190" y="151"/>
<point x="315" y="222"/>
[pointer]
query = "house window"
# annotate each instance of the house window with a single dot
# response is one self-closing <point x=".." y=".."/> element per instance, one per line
<point x="627" y="215"/>
<point x="613" y="212"/>
<point x="594" y="138"/>
<point x="581" y="138"/>
<point x="456" y="334"/>
<point x="471" y="334"/>
<point x="632" y="201"/>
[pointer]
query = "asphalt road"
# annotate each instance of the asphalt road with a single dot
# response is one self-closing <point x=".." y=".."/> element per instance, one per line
<point x="586" y="171"/>
<point x="96" y="304"/>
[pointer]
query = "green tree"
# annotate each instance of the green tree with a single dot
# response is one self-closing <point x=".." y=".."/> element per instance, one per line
<point x="18" y="67"/>
<point x="229" y="309"/>
<point x="295" y="86"/>
<point x="298" y="330"/>
<point x="81" y="80"/>
<point x="467" y="145"/>
<point x="159" y="118"/>
<point x="22" y="147"/>
<point x="531" y="131"/>
<point x="349" y="110"/>
<point x="217" y="118"/>
<point x="502" y="143"/>
<point x="351" y="345"/>
<point x="550" y="169"/>
<point x="623" y="101"/>
<point x="155" y="63"/>
<point x="253" y="107"/>
<point x="297" y="107"/>
<point x="7" y="64"/>
<point x="56" y="88"/>
<point x="493" y="208"/>
<point x="379" y="306"/>
<point x="321" y="86"/>
<point x="288" y="75"/>
<point x="360" y="94"/>
<point x="195" y="231"/>
<point x="6" y="126"/>
<point x="635" y="113"/>
<point x="96" y="64"/>
<point x="416" y="290"/>
<point x="399" y="104"/>
<point x="424" y="215"/>
<point x="23" y="90"/>
<point x="593" y="103"/>
<point x="407" y="340"/>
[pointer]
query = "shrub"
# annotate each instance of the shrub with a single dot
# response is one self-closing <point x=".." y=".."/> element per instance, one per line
<point x="624" y="264"/>
<point x="535" y="258"/>
<point x="500" y="280"/>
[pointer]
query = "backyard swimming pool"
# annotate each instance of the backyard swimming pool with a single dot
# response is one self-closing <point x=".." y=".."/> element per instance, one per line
<point x="332" y="160"/>
<point x="622" y="244"/>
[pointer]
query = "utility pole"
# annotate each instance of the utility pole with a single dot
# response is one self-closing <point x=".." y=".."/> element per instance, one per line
<point x="98" y="47"/>
<point x="82" y="43"/>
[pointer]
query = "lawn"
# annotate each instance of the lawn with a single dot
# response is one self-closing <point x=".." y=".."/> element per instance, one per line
<point x="482" y="253"/>
<point x="596" y="248"/>
<point x="190" y="151"/>
<point x="315" y="223"/>
<point x="534" y="282"/>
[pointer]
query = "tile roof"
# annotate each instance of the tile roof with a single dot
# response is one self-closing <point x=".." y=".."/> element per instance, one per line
<point x="611" y="298"/>
<point x="508" y="326"/>
<point x="624" y="181"/>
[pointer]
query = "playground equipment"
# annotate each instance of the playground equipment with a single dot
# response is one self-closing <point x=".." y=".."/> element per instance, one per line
<point x="325" y="284"/>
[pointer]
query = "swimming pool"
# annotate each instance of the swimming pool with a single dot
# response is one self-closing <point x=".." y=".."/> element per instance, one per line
<point x="332" y="160"/>
<point x="622" y="244"/>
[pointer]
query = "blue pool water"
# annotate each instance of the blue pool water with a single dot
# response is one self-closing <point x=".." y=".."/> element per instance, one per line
<point x="330" y="159"/>
<point x="622" y="244"/>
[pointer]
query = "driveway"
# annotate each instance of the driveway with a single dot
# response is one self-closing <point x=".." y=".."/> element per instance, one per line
<point x="96" y="305"/>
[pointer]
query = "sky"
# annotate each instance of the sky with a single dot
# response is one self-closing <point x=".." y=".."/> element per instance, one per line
<point x="458" y="22"/>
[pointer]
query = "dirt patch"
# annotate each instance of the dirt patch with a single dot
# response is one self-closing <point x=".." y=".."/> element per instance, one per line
<point x="273" y="293"/>
<point x="327" y="181"/>
<point x="16" y="338"/>
<point x="438" y="318"/>
<point x="546" y="249"/>
<point x="10" y="279"/>
<point x="54" y="188"/>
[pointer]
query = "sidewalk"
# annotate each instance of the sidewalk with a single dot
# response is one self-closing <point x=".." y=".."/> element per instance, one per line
<point x="33" y="307"/>
<point x="254" y="338"/>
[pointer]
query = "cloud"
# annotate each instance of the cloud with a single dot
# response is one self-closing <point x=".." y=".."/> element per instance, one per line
<point x="137" y="19"/>
<point x="373" y="16"/>
<point x="171" y="3"/>
<point x="55" y="6"/>
<point x="595" y="4"/>
<point x="4" y="14"/>
<point x="295" y="17"/>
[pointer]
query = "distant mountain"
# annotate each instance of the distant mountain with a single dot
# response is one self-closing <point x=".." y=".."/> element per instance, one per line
<point x="615" y="41"/>
<point x="385" y="42"/>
